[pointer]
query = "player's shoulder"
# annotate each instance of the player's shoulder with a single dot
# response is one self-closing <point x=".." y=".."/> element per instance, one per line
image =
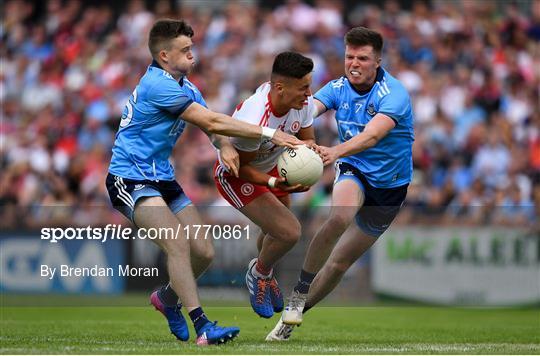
<point x="255" y="106"/>
<point x="156" y="74"/>
<point x="390" y="85"/>
<point x="337" y="84"/>
<point x="186" y="84"/>
<point x="157" y="80"/>
<point x="332" y="90"/>
<point x="259" y="99"/>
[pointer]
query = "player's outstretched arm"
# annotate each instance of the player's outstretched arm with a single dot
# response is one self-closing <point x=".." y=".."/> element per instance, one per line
<point x="222" y="124"/>
<point x="374" y="131"/>
<point x="320" y="108"/>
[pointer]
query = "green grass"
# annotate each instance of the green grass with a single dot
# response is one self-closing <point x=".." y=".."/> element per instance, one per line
<point x="326" y="330"/>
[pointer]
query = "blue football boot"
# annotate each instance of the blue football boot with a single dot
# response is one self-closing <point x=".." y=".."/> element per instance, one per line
<point x="259" y="292"/>
<point x="212" y="334"/>
<point x="177" y="323"/>
<point x="275" y="296"/>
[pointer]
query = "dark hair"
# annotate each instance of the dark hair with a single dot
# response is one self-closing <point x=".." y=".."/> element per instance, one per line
<point x="362" y="36"/>
<point x="291" y="64"/>
<point x="163" y="31"/>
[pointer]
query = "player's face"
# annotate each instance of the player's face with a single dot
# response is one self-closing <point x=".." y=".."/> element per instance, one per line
<point x="361" y="63"/>
<point x="180" y="60"/>
<point x="296" y="91"/>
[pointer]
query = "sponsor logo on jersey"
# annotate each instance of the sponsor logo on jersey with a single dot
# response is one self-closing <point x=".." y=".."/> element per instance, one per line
<point x="295" y="126"/>
<point x="247" y="189"/>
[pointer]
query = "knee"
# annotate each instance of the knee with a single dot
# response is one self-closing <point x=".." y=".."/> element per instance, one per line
<point x="175" y="250"/>
<point x="290" y="232"/>
<point x="339" y="222"/>
<point x="338" y="267"/>
<point x="206" y="255"/>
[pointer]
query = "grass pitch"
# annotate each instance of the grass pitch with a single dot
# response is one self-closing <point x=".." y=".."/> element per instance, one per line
<point x="128" y="329"/>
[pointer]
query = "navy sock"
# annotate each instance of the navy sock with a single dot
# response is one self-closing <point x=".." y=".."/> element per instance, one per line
<point x="198" y="318"/>
<point x="304" y="282"/>
<point x="167" y="295"/>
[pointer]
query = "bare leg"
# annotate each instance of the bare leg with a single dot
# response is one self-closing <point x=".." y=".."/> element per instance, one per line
<point x="202" y="250"/>
<point x="349" y="248"/>
<point x="347" y="198"/>
<point x="286" y="200"/>
<point x="282" y="228"/>
<point x="153" y="212"/>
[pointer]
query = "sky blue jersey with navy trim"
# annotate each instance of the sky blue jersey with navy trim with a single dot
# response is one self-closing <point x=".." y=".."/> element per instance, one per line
<point x="150" y="126"/>
<point x="388" y="164"/>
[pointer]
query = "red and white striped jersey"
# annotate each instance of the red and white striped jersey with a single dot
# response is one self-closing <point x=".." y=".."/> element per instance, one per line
<point x="258" y="110"/>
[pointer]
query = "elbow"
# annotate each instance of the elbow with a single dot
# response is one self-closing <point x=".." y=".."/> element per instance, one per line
<point x="372" y="140"/>
<point x="214" y="125"/>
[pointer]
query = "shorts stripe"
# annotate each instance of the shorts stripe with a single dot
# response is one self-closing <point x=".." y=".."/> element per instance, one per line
<point x="338" y="172"/>
<point x="122" y="193"/>
<point x="125" y="190"/>
<point x="227" y="188"/>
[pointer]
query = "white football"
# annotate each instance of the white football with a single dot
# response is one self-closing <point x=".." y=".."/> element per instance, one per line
<point x="300" y="166"/>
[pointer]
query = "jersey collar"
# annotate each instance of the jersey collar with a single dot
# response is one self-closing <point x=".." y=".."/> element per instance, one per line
<point x="156" y="65"/>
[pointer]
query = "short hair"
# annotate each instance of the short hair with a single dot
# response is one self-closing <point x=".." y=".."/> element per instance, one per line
<point x="362" y="36"/>
<point x="291" y="65"/>
<point x="165" y="30"/>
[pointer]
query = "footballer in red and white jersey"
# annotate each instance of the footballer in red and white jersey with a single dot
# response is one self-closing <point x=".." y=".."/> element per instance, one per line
<point x="258" y="110"/>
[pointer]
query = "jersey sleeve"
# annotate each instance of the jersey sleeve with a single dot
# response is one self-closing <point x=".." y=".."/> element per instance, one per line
<point x="251" y="112"/>
<point x="199" y="99"/>
<point x="169" y="96"/>
<point x="197" y="96"/>
<point x="327" y="95"/>
<point x="308" y="120"/>
<point x="396" y="104"/>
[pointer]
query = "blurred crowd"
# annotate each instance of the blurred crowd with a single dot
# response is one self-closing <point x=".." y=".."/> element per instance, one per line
<point x="472" y="68"/>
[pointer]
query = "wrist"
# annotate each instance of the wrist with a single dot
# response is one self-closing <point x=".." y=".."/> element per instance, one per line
<point x="340" y="151"/>
<point x="272" y="182"/>
<point x="267" y="133"/>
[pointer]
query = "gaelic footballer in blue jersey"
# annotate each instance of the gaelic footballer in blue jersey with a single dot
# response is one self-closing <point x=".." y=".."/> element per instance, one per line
<point x="373" y="169"/>
<point x="141" y="180"/>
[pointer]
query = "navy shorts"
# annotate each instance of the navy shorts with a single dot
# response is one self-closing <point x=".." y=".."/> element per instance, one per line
<point x="124" y="193"/>
<point x="381" y="205"/>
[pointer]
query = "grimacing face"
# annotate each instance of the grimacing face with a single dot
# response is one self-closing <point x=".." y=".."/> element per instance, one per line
<point x="179" y="56"/>
<point x="296" y="91"/>
<point x="361" y="64"/>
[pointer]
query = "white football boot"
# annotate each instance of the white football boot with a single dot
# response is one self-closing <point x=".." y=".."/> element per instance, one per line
<point x="292" y="315"/>
<point x="281" y="332"/>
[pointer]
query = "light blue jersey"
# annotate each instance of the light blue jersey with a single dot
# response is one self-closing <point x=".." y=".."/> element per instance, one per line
<point x="388" y="164"/>
<point x="150" y="126"/>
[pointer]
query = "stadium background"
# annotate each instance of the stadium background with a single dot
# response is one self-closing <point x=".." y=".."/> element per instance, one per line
<point x="472" y="68"/>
